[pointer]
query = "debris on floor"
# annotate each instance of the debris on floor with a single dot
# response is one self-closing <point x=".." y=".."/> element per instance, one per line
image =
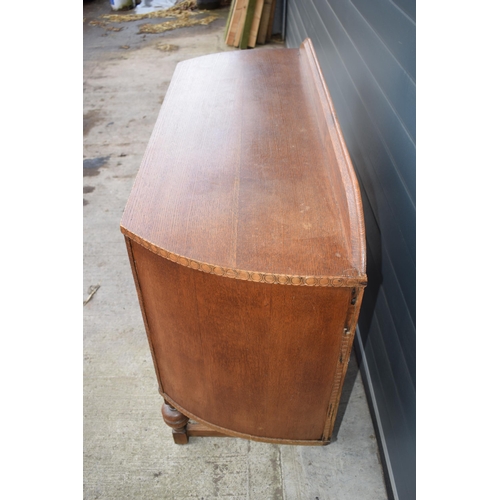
<point x="96" y="22"/>
<point x="180" y="15"/>
<point x="166" y="47"/>
<point x="181" y="22"/>
<point x="188" y="7"/>
<point x="91" y="291"/>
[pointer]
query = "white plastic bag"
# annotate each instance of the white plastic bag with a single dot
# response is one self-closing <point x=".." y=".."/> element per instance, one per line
<point x="122" y="4"/>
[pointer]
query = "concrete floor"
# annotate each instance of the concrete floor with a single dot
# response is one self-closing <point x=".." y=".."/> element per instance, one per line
<point x="128" y="450"/>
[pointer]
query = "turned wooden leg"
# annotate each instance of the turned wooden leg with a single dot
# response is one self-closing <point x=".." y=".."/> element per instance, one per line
<point x="175" y="419"/>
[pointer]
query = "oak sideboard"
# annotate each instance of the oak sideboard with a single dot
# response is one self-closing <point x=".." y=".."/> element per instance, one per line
<point x="245" y="235"/>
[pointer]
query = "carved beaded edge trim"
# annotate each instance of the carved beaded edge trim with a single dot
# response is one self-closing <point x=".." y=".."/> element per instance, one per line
<point x="256" y="277"/>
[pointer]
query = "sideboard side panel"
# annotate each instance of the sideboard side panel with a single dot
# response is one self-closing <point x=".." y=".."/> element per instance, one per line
<point x="128" y="243"/>
<point x="254" y="358"/>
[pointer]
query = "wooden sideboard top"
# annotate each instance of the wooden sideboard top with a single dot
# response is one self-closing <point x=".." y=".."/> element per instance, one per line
<point x="247" y="175"/>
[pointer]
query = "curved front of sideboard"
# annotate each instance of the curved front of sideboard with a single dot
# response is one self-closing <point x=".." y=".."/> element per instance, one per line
<point x="251" y="359"/>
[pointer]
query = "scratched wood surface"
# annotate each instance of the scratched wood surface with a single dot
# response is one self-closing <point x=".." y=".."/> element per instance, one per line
<point x="246" y="170"/>
<point x="246" y="240"/>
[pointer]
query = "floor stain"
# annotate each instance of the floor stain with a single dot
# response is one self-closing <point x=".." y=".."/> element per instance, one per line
<point x="85" y="202"/>
<point x="276" y="467"/>
<point x="90" y="119"/>
<point x="91" y="166"/>
<point x="167" y="47"/>
<point x="88" y="189"/>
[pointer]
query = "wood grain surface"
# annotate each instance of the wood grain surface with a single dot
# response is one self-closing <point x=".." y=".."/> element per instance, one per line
<point x="246" y="170"/>
<point x="251" y="358"/>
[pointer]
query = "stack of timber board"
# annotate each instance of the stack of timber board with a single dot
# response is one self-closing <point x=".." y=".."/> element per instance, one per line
<point x="250" y="22"/>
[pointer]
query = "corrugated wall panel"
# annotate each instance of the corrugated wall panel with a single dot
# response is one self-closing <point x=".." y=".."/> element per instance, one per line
<point x="408" y="7"/>
<point x="366" y="50"/>
<point x="394" y="81"/>
<point x="394" y="28"/>
<point x="380" y="268"/>
<point x="398" y="433"/>
<point x="386" y="181"/>
<point x="401" y="260"/>
<point x="365" y="64"/>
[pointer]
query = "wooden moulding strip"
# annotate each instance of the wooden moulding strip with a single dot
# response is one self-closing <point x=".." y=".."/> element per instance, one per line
<point x="141" y="304"/>
<point x="241" y="23"/>
<point x="234" y="23"/>
<point x="264" y="21"/>
<point x="342" y="364"/>
<point x="229" y="19"/>
<point x="271" y="21"/>
<point x="255" y="276"/>
<point x="245" y="36"/>
<point x="254" y="30"/>
<point x="228" y="432"/>
<point x="354" y="205"/>
<point x="201" y="430"/>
